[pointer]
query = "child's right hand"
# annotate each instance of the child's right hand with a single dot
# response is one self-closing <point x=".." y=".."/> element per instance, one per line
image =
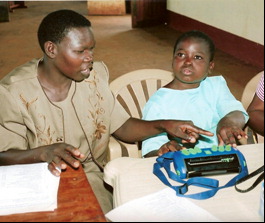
<point x="170" y="146"/>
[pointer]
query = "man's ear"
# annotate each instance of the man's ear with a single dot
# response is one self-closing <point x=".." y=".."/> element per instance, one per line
<point x="50" y="49"/>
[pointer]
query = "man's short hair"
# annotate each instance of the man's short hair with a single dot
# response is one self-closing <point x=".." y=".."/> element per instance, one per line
<point x="55" y="26"/>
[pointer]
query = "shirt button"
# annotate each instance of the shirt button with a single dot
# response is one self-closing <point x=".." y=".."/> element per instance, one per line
<point x="59" y="139"/>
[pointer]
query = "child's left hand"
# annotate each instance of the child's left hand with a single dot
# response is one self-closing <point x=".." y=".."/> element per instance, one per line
<point x="229" y="135"/>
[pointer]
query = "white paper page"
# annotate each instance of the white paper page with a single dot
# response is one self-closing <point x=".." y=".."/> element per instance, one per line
<point x="27" y="188"/>
<point x="162" y="206"/>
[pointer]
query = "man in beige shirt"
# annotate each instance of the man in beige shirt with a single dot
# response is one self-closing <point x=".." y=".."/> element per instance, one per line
<point x="59" y="109"/>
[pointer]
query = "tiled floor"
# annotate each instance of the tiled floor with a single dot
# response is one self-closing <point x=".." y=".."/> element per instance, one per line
<point x="122" y="48"/>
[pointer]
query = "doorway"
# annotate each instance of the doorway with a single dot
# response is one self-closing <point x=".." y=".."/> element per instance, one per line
<point x="148" y="12"/>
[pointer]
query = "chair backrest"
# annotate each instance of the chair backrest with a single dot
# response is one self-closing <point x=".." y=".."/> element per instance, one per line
<point x="250" y="89"/>
<point x="133" y="89"/>
<point x="247" y="96"/>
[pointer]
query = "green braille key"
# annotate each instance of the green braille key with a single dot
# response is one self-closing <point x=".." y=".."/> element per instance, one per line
<point x="221" y="149"/>
<point x="228" y="148"/>
<point x="185" y="152"/>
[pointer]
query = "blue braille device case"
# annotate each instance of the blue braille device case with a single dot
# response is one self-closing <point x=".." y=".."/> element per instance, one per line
<point x="208" y="161"/>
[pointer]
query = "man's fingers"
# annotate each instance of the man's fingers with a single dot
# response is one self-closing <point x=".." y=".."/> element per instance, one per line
<point x="55" y="170"/>
<point x="190" y="135"/>
<point x="75" y="151"/>
<point x="195" y="129"/>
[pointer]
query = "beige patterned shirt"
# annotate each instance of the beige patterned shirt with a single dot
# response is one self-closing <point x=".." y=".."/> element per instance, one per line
<point x="29" y="120"/>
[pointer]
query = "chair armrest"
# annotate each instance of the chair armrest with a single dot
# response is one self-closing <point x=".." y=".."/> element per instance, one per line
<point x="253" y="137"/>
<point x="121" y="149"/>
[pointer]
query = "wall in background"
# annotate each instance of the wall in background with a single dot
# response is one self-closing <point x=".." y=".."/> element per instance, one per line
<point x="236" y="26"/>
<point x="244" y="18"/>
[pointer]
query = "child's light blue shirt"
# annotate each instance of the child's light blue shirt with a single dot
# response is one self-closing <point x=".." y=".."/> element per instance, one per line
<point x="204" y="106"/>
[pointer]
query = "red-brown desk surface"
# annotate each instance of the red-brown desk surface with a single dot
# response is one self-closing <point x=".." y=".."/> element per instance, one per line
<point x="76" y="202"/>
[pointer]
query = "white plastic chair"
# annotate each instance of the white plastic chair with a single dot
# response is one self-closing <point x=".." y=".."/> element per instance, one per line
<point x="132" y="90"/>
<point x="247" y="96"/>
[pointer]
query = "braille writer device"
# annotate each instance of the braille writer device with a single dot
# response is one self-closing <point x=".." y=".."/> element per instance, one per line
<point x="209" y="161"/>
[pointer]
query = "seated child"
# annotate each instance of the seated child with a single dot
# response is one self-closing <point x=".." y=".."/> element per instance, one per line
<point x="192" y="95"/>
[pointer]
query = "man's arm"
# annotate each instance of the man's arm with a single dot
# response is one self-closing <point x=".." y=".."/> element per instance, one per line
<point x="57" y="155"/>
<point x="134" y="130"/>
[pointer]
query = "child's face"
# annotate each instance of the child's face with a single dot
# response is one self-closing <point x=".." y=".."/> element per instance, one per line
<point x="191" y="63"/>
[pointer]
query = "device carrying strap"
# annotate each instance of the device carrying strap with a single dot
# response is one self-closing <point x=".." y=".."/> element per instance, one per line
<point x="212" y="185"/>
<point x="256" y="182"/>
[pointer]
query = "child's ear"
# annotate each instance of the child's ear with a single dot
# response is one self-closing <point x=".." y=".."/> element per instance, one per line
<point x="211" y="66"/>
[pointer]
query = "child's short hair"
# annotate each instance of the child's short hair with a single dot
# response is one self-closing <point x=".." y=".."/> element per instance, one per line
<point x="57" y="24"/>
<point x="197" y="35"/>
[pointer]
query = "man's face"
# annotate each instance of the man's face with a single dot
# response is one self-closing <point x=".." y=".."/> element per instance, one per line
<point x="74" y="54"/>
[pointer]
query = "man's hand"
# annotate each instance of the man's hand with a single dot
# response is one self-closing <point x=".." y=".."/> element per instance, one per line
<point x="186" y="130"/>
<point x="59" y="155"/>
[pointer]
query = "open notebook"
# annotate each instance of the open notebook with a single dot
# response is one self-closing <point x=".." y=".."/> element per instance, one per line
<point x="27" y="188"/>
<point x="162" y="206"/>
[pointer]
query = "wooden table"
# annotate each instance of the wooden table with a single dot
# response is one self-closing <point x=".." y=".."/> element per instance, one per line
<point x="76" y="202"/>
